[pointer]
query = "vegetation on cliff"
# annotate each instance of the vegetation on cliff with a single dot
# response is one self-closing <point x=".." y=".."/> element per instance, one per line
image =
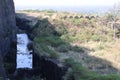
<point x="88" y="44"/>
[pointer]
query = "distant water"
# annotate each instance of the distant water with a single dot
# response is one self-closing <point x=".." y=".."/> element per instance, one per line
<point x="82" y="9"/>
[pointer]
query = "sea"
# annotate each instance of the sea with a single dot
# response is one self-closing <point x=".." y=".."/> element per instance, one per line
<point x="78" y="9"/>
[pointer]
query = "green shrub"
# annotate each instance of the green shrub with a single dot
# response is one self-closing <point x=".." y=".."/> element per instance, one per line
<point x="34" y="78"/>
<point x="51" y="40"/>
<point x="49" y="11"/>
<point x="82" y="22"/>
<point x="63" y="48"/>
<point x="43" y="28"/>
<point x="78" y="72"/>
<point x="75" y="38"/>
<point x="106" y="77"/>
<point x="95" y="37"/>
<point x="77" y="49"/>
<point x="43" y="50"/>
<point x="61" y="29"/>
<point x="75" y="22"/>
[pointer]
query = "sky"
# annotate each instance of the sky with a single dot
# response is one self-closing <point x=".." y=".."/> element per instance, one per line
<point x="23" y="4"/>
<point x="65" y="2"/>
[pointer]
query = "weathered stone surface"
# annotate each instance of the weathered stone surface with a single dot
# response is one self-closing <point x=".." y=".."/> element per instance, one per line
<point x="7" y="30"/>
<point x="2" y="70"/>
<point x="7" y="25"/>
<point x="49" y="68"/>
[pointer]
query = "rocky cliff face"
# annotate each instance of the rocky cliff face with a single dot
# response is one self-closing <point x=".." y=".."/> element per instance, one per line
<point x="7" y="31"/>
<point x="7" y="25"/>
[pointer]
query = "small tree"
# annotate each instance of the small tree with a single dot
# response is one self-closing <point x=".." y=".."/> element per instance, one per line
<point x="113" y="17"/>
<point x="116" y="12"/>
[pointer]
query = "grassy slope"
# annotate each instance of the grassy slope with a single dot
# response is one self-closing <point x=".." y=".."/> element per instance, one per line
<point x="78" y="39"/>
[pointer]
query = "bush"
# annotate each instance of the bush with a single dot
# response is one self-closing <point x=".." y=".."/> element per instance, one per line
<point x="43" y="50"/>
<point x="43" y="28"/>
<point x="61" y="29"/>
<point x="78" y="72"/>
<point x="49" y="11"/>
<point x="106" y="77"/>
<point x="54" y="41"/>
<point x="75" y="22"/>
<point x="34" y="78"/>
<point x="82" y="22"/>
<point x="77" y="49"/>
<point x="63" y="48"/>
<point x="95" y="37"/>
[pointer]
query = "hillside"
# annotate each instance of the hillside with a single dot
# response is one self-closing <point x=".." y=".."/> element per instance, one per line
<point x="85" y="43"/>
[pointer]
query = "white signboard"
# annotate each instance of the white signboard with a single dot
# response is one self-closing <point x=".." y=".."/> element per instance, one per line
<point x="24" y="61"/>
<point x="24" y="58"/>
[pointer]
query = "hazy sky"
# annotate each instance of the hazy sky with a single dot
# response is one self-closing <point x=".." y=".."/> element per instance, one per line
<point x="65" y="2"/>
<point x="67" y="5"/>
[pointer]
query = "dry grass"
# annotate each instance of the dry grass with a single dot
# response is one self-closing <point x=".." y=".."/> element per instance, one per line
<point x="110" y="52"/>
<point x="95" y="55"/>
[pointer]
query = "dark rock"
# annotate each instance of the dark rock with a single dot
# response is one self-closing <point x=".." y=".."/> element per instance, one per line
<point x="7" y="30"/>
<point x="30" y="46"/>
<point x="7" y="25"/>
<point x="2" y="70"/>
<point x="23" y="24"/>
<point x="47" y="68"/>
<point x="51" y="69"/>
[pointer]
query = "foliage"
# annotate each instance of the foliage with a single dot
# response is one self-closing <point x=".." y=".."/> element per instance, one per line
<point x="55" y="36"/>
<point x="34" y="78"/>
<point x="50" y="40"/>
<point x="95" y="37"/>
<point x="44" y="50"/>
<point x="60" y="27"/>
<point x="63" y="48"/>
<point x="77" y="49"/>
<point x="43" y="28"/>
<point x="82" y="22"/>
<point x="78" y="72"/>
<point x="49" y="11"/>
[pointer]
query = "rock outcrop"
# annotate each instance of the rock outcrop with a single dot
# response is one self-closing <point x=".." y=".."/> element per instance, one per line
<point x="7" y="30"/>
<point x="7" y="25"/>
